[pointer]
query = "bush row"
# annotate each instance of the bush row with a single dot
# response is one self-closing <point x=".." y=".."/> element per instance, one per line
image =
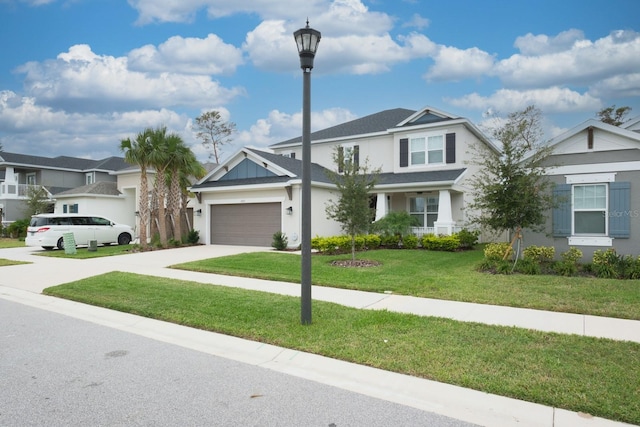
<point x="342" y="244"/>
<point x="498" y="258"/>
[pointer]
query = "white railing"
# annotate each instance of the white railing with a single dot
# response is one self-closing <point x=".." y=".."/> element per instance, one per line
<point x="15" y="191"/>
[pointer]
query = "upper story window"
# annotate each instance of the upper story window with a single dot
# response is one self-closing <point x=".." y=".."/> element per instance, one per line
<point x="31" y="179"/>
<point x="88" y="178"/>
<point x="434" y="149"/>
<point x="427" y="150"/>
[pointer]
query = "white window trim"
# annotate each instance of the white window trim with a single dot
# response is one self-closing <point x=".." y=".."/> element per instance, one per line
<point x="606" y="212"/>
<point x="590" y="178"/>
<point x="426" y="137"/>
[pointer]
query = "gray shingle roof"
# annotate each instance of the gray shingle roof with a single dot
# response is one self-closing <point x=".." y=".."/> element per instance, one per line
<point x="378" y="122"/>
<point x="101" y="188"/>
<point x="419" y="177"/>
<point x="63" y="162"/>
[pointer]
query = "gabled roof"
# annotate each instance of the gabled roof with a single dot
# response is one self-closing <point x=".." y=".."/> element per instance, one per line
<point x="373" y="123"/>
<point x="62" y="162"/>
<point x="633" y="124"/>
<point x="101" y="188"/>
<point x="288" y="169"/>
<point x="593" y="123"/>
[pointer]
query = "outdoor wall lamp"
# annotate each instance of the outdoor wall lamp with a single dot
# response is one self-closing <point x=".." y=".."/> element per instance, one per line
<point x="199" y="212"/>
<point x="289" y="210"/>
<point x="307" y="40"/>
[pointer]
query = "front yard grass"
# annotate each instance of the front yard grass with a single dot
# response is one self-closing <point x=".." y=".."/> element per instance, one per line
<point x="85" y="253"/>
<point x="441" y="275"/>
<point x="6" y="262"/>
<point x="6" y="242"/>
<point x="582" y="374"/>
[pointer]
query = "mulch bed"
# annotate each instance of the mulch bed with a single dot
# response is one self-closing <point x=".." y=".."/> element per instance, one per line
<point x="358" y="263"/>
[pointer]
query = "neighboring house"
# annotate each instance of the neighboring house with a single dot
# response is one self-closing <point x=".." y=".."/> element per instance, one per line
<point x="596" y="169"/>
<point x="72" y="184"/>
<point x="423" y="156"/>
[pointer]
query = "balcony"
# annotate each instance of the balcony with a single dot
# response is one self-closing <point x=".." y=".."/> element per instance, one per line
<point x="15" y="191"/>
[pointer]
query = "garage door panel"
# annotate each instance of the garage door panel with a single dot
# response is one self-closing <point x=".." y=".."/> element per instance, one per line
<point x="251" y="224"/>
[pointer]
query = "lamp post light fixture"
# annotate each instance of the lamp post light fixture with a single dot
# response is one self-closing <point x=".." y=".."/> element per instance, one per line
<point x="307" y="40"/>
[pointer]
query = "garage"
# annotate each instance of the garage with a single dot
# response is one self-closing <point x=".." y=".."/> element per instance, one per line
<point x="248" y="224"/>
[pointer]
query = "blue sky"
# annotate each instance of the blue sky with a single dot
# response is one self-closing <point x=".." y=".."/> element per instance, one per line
<point x="77" y="76"/>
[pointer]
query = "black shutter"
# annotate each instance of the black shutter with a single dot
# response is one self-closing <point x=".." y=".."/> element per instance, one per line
<point x="451" y="148"/>
<point x="340" y="159"/>
<point x="404" y="152"/>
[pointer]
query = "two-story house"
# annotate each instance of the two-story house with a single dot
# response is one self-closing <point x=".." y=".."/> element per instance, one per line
<point x="423" y="156"/>
<point x="72" y="184"/>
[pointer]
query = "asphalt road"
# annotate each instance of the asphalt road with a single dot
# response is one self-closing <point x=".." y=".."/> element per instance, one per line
<point x="60" y="371"/>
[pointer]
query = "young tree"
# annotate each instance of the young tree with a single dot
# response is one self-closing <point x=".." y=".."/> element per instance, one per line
<point x="510" y="190"/>
<point x="612" y="115"/>
<point x="213" y="131"/>
<point x="37" y="201"/>
<point x="352" y="210"/>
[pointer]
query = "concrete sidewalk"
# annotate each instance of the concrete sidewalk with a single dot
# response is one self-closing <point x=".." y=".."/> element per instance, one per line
<point x="24" y="283"/>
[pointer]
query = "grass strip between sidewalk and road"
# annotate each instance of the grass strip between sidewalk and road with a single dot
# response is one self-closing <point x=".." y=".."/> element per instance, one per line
<point x="441" y="275"/>
<point x="582" y="374"/>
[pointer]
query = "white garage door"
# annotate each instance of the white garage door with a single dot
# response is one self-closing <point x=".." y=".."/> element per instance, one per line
<point x="249" y="224"/>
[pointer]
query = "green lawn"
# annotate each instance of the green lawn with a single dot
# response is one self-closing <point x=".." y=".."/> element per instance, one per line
<point x="441" y="275"/>
<point x="84" y="252"/>
<point x="583" y="374"/>
<point x="5" y="262"/>
<point x="11" y="243"/>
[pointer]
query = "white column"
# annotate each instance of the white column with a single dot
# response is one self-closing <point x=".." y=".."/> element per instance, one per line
<point x="444" y="224"/>
<point x="9" y="175"/>
<point x="381" y="206"/>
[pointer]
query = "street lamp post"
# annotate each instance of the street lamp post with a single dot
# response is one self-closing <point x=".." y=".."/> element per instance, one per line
<point x="307" y="40"/>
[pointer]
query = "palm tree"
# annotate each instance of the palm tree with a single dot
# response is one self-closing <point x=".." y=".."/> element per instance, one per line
<point x="183" y="166"/>
<point x="162" y="148"/>
<point x="137" y="152"/>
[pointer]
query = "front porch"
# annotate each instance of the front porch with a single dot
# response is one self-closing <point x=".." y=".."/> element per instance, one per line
<point x="437" y="212"/>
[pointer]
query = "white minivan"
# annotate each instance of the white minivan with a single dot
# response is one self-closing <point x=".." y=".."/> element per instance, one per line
<point x="47" y="230"/>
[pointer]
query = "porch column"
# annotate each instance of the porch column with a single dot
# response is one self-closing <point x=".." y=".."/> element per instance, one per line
<point x="444" y="224"/>
<point x="10" y="175"/>
<point x="381" y="206"/>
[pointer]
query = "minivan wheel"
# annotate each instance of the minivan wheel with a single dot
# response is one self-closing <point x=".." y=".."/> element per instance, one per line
<point x="124" y="239"/>
<point x="60" y="244"/>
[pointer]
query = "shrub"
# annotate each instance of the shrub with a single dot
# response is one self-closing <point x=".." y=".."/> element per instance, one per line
<point x="606" y="264"/>
<point x="565" y="268"/>
<point x="539" y="254"/>
<point x="440" y="243"/>
<point x="395" y="223"/>
<point x="193" y="237"/>
<point x="572" y="255"/>
<point x="279" y="241"/>
<point x="495" y="251"/>
<point x="174" y="243"/>
<point x="410" y="241"/>
<point x="18" y="229"/>
<point x="372" y="241"/>
<point x="390" y="241"/>
<point x="468" y="239"/>
<point x="528" y="266"/>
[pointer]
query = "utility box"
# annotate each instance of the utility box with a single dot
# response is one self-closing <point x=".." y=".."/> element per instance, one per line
<point x="93" y="245"/>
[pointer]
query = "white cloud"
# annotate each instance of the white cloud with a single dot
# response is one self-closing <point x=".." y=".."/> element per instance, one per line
<point x="535" y="45"/>
<point x="584" y="63"/>
<point x="188" y="56"/>
<point x="417" y="22"/>
<point x="26" y="124"/>
<point x="549" y="100"/>
<point x="279" y="126"/>
<point x="623" y="85"/>
<point x="80" y="79"/>
<point x="453" y="64"/>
